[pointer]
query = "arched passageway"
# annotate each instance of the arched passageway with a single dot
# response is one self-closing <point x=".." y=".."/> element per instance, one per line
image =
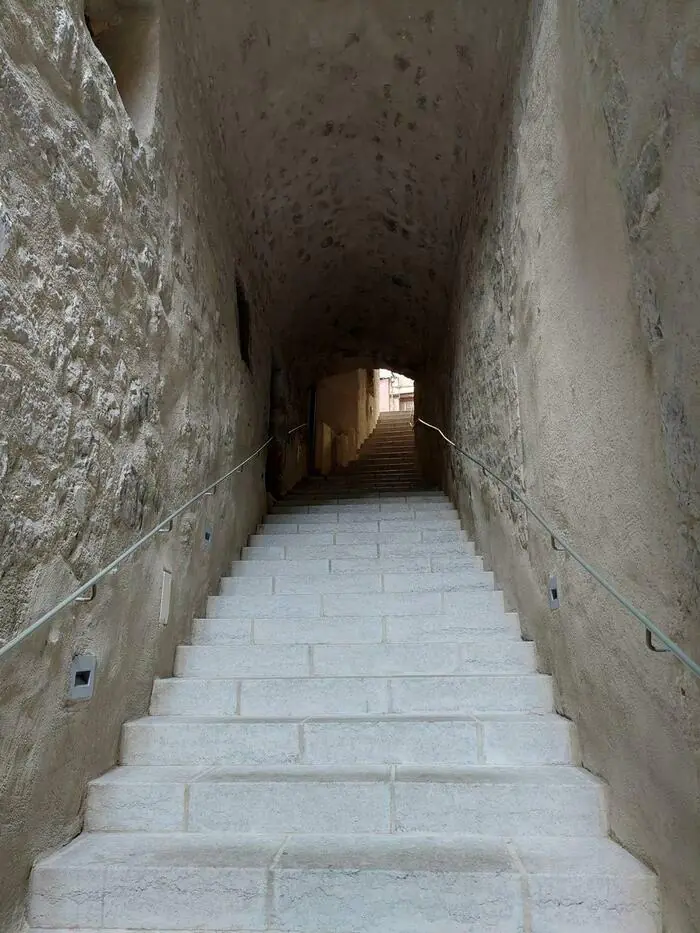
<point x="251" y="204"/>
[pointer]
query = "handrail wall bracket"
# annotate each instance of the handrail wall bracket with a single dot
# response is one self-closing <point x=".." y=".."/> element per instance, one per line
<point x="559" y="544"/>
<point x="88" y="591"/>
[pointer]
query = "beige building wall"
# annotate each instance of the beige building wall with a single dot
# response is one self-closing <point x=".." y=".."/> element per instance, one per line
<point x="347" y="407"/>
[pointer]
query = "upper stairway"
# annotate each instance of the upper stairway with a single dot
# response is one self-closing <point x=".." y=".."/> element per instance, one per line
<point x="357" y="740"/>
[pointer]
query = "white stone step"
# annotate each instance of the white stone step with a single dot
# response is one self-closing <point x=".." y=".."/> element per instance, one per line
<point x="269" y="551"/>
<point x="439" y="553"/>
<point x="417" y="498"/>
<point x="375" y="695"/>
<point x="334" y="562"/>
<point x="483" y="738"/>
<point x="495" y="655"/>
<point x="377" y="507"/>
<point x="343" y="884"/>
<point x="308" y="606"/>
<point x="551" y="801"/>
<point x="312" y="537"/>
<point x="355" y="565"/>
<point x="354" y="630"/>
<point x="354" y="579"/>
<point x="361" y="513"/>
<point x="361" y="522"/>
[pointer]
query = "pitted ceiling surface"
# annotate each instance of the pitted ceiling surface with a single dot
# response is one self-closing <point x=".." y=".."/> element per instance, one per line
<point x="354" y="135"/>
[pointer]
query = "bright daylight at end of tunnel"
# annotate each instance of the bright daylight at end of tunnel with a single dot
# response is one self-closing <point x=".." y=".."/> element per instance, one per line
<point x="349" y="466"/>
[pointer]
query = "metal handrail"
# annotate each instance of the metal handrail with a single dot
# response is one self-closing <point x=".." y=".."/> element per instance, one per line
<point x="165" y="525"/>
<point x="559" y="544"/>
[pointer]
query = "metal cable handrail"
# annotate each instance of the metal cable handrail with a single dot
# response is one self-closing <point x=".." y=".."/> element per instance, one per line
<point x="650" y="626"/>
<point x="165" y="525"/>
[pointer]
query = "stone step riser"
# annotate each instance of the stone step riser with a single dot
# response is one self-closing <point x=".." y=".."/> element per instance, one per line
<point x="353" y="696"/>
<point x="367" y="503"/>
<point x="339" y="565"/>
<point x="541" y="740"/>
<point x="394" y="452"/>
<point x="354" y="489"/>
<point x="345" y="807"/>
<point x="390" y="459"/>
<point x="356" y="631"/>
<point x="422" y="518"/>
<point x="412" y="496"/>
<point x="442" y="555"/>
<point x="381" y="471"/>
<point x="397" y="509"/>
<point x="312" y="534"/>
<point x="496" y="655"/>
<point x="354" y="604"/>
<point x="344" y="884"/>
<point x="341" y="582"/>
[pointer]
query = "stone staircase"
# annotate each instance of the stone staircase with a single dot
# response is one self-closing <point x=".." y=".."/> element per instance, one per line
<point x="357" y="741"/>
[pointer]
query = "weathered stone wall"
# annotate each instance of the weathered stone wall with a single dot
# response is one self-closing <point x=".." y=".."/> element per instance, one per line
<point x="572" y="368"/>
<point x="122" y="392"/>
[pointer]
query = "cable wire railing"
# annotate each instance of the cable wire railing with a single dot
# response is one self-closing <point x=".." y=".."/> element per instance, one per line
<point x="87" y="592"/>
<point x="560" y="544"/>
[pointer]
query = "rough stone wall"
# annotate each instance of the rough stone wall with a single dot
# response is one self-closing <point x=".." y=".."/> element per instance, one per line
<point x="574" y="374"/>
<point x="122" y="392"/>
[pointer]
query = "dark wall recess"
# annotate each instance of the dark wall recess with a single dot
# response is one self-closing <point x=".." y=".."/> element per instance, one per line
<point x="243" y="316"/>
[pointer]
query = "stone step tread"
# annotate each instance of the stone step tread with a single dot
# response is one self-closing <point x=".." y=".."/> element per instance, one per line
<point x="430" y="517"/>
<point x="469" y="676"/>
<point x="455" y="738"/>
<point x="351" y="631"/>
<point x="344" y="561"/>
<point x="533" y="775"/>
<point x="379" y="800"/>
<point x="416" y="694"/>
<point x="419" y="495"/>
<point x="507" y="718"/>
<point x="367" y="507"/>
<point x="425" y="852"/>
<point x="286" y="538"/>
<point x="369" y="605"/>
<point x="492" y="654"/>
<point x="381" y="580"/>
<point x="352" y="508"/>
<point x="354" y="565"/>
<point x="359" y="527"/>
<point x="447" y="555"/>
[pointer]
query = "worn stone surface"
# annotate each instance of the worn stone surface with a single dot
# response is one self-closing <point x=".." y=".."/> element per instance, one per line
<point x="572" y="369"/>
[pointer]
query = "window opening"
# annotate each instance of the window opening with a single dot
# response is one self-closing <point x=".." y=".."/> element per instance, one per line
<point x="243" y="317"/>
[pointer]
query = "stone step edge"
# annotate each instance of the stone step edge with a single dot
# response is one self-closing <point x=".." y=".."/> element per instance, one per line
<point x="469" y="775"/>
<point x="352" y="718"/>
<point x="316" y="677"/>
<point x="329" y="848"/>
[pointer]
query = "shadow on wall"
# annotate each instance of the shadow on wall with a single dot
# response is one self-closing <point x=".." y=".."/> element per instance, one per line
<point x="128" y="39"/>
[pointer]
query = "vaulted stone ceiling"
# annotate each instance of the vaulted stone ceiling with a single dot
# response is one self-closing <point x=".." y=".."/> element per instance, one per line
<point x="353" y="135"/>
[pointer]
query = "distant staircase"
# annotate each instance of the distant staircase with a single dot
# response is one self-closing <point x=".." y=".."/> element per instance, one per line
<point x="357" y="741"/>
